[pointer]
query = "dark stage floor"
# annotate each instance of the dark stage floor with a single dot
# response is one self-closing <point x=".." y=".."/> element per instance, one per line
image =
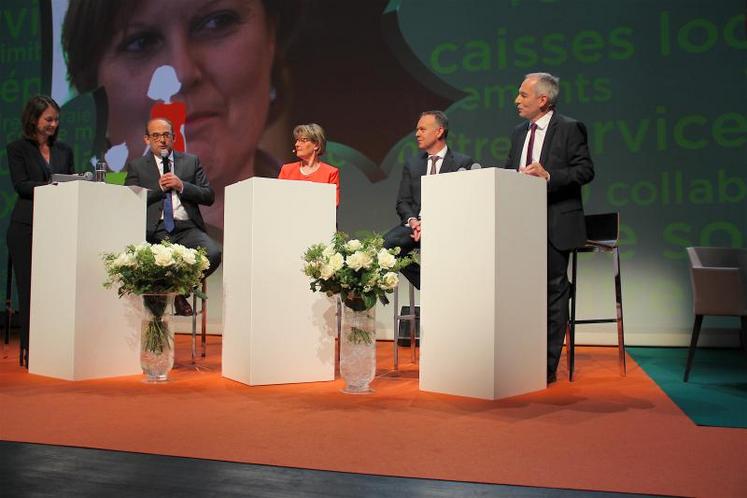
<point x="46" y="470"/>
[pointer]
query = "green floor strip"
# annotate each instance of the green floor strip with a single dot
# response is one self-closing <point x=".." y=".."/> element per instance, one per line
<point x="715" y="395"/>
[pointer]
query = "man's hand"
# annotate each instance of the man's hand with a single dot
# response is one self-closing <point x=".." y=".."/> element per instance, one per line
<point x="415" y="227"/>
<point x="169" y="181"/>
<point x="535" y="169"/>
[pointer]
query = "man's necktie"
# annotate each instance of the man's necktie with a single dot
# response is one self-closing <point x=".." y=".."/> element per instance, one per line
<point x="530" y="147"/>
<point x="168" y="208"/>
<point x="433" y="160"/>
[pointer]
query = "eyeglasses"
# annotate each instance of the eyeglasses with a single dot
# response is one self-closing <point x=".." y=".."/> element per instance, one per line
<point x="303" y="139"/>
<point x="158" y="136"/>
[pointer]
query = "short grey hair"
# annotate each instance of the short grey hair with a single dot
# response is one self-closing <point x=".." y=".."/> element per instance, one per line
<point x="441" y="119"/>
<point x="313" y="132"/>
<point x="547" y="85"/>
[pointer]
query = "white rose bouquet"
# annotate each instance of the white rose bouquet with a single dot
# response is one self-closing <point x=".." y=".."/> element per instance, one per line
<point x="151" y="271"/>
<point x="360" y="270"/>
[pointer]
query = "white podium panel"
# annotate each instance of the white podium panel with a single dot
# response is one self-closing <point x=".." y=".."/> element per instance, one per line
<point x="484" y="284"/>
<point x="275" y="330"/>
<point x="78" y="329"/>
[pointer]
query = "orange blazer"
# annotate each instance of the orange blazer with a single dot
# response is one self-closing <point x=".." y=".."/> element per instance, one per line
<point x="325" y="174"/>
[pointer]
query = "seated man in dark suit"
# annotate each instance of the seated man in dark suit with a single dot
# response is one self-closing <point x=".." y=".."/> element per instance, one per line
<point x="553" y="147"/>
<point x="177" y="186"/>
<point x="431" y="132"/>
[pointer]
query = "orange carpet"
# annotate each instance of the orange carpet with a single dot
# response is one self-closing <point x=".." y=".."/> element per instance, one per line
<point x="602" y="432"/>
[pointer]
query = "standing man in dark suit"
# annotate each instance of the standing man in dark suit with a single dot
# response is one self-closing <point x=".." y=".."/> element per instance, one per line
<point x="553" y="147"/>
<point x="177" y="186"/>
<point x="431" y="133"/>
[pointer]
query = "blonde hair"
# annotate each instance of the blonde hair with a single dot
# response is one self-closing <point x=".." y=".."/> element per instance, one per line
<point x="313" y="132"/>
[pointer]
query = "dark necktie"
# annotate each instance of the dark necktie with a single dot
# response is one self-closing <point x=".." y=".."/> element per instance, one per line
<point x="530" y="146"/>
<point x="168" y="208"/>
<point x="433" y="160"/>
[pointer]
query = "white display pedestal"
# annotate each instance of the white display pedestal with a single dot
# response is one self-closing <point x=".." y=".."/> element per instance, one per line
<point x="484" y="284"/>
<point x="276" y="330"/>
<point x="78" y="329"/>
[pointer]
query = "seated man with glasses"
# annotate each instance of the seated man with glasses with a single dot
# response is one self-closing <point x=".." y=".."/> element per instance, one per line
<point x="177" y="186"/>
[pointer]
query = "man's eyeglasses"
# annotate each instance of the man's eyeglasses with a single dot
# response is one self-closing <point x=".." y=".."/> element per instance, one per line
<point x="159" y="136"/>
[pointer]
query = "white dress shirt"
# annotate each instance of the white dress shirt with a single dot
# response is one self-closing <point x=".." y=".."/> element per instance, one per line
<point x="179" y="212"/>
<point x="439" y="162"/>
<point x="539" y="138"/>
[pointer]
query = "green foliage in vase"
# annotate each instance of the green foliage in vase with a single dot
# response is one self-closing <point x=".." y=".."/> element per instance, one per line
<point x="152" y="271"/>
<point x="155" y="269"/>
<point x="360" y="336"/>
<point x="156" y="337"/>
<point x="359" y="270"/>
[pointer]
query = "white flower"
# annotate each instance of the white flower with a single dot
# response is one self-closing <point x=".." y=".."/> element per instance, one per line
<point x="326" y="272"/>
<point x="121" y="260"/>
<point x="204" y="263"/>
<point x="389" y="281"/>
<point x="189" y="256"/>
<point x="336" y="261"/>
<point x="163" y="259"/>
<point x="385" y="258"/>
<point x="328" y="251"/>
<point x="358" y="260"/>
<point x="162" y="255"/>
<point x="353" y="245"/>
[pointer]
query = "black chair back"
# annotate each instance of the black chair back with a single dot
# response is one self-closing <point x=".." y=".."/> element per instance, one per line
<point x="603" y="227"/>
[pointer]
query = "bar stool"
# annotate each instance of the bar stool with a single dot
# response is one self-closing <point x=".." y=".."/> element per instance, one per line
<point x="203" y="321"/>
<point x="409" y="317"/>
<point x="603" y="235"/>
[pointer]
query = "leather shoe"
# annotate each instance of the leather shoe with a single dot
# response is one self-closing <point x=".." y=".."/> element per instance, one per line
<point x="551" y="377"/>
<point x="182" y="306"/>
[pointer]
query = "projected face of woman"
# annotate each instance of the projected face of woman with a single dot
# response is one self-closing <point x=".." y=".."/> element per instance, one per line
<point x="222" y="51"/>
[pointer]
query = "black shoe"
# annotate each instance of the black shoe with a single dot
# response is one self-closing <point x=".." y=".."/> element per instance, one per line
<point x="182" y="306"/>
<point x="551" y="377"/>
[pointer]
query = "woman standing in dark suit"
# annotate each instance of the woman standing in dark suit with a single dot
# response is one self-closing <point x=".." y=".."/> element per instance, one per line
<point x="32" y="160"/>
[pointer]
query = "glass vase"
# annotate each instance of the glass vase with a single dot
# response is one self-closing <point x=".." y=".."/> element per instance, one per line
<point x="157" y="337"/>
<point x="358" y="350"/>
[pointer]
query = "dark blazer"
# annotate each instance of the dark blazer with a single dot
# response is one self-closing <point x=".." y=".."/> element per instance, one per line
<point x="565" y="155"/>
<point x="143" y="172"/>
<point x="408" y="199"/>
<point x="28" y="170"/>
